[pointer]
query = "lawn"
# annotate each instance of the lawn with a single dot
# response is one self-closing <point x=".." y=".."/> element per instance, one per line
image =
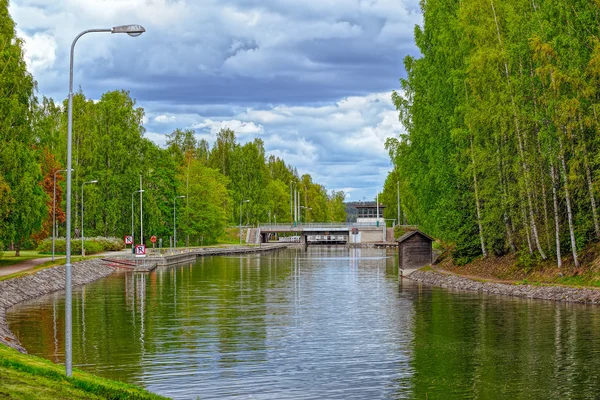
<point x="27" y="377"/>
<point x="8" y="258"/>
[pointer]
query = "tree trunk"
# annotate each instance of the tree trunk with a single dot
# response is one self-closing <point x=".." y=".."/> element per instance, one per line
<point x="556" y="223"/>
<point x="588" y="175"/>
<point x="568" y="200"/>
<point x="524" y="165"/>
<point x="477" y="204"/>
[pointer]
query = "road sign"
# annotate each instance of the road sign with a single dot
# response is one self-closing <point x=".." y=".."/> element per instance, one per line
<point x="153" y="239"/>
<point x="140" y="250"/>
<point x="128" y="239"/>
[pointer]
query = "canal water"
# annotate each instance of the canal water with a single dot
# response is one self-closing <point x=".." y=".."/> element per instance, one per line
<point x="326" y="323"/>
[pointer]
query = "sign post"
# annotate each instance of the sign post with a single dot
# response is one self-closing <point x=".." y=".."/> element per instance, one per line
<point x="140" y="250"/>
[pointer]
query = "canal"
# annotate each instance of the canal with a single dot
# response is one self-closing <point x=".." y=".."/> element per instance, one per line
<point x="330" y="323"/>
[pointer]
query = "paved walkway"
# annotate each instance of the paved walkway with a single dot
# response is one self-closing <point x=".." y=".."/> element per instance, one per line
<point x="34" y="262"/>
<point x="23" y="266"/>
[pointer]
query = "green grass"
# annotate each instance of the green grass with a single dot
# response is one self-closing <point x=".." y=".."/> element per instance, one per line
<point x="47" y="264"/>
<point x="27" y="377"/>
<point x="8" y="258"/>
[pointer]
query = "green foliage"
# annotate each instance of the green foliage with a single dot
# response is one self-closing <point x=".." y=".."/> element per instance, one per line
<point x="22" y="200"/>
<point x="501" y="114"/>
<point x="93" y="245"/>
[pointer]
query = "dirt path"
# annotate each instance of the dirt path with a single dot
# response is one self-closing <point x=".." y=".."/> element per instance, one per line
<point x="23" y="266"/>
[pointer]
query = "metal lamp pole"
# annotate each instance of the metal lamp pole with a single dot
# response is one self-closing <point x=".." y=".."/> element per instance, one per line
<point x="242" y="202"/>
<point x="137" y="191"/>
<point x="82" y="244"/>
<point x="306" y="209"/>
<point x="175" y="221"/>
<point x="54" y="230"/>
<point x="131" y="30"/>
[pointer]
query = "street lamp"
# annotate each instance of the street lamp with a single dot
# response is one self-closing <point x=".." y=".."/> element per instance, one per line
<point x="131" y="30"/>
<point x="54" y="230"/>
<point x="137" y="191"/>
<point x="82" y="245"/>
<point x="306" y="213"/>
<point x="175" y="221"/>
<point x="242" y="202"/>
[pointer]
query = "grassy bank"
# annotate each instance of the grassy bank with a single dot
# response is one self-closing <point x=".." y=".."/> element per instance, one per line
<point x="28" y="377"/>
<point x="8" y="257"/>
<point x="47" y="264"/>
<point x="521" y="268"/>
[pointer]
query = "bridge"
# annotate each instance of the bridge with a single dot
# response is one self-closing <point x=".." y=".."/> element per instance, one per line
<point x="321" y="233"/>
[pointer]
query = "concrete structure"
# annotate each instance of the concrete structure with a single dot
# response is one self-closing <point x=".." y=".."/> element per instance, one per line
<point x="321" y="233"/>
<point x="414" y="250"/>
<point x="370" y="212"/>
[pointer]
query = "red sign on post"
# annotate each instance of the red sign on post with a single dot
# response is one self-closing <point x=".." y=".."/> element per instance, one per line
<point x="128" y="239"/>
<point x="153" y="239"/>
<point x="140" y="250"/>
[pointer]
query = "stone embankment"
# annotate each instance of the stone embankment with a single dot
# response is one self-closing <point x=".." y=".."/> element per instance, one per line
<point x="46" y="281"/>
<point x="554" y="293"/>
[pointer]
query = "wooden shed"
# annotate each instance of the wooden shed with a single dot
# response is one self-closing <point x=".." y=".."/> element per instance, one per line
<point x="414" y="250"/>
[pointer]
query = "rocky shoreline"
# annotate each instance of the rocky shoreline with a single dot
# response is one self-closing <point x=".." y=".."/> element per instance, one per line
<point x="18" y="290"/>
<point x="553" y="293"/>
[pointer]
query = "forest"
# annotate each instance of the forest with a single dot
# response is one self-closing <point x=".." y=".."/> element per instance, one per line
<point x="501" y="112"/>
<point x="109" y="146"/>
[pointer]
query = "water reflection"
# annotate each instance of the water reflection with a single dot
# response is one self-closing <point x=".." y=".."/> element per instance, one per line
<point x="321" y="323"/>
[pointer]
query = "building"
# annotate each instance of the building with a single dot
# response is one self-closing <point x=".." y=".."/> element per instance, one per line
<point x="414" y="250"/>
<point x="370" y="213"/>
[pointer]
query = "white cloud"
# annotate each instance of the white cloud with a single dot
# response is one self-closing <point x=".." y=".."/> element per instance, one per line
<point x="164" y="119"/>
<point x="40" y="51"/>
<point x="240" y="127"/>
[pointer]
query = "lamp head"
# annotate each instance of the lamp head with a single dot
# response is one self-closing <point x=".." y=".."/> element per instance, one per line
<point x="246" y="201"/>
<point x="181" y="197"/>
<point x="131" y="30"/>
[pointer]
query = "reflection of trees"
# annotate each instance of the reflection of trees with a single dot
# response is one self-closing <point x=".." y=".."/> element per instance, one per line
<point x="467" y="346"/>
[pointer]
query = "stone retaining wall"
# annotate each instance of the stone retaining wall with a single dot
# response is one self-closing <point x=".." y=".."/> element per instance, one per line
<point x="554" y="293"/>
<point x="18" y="290"/>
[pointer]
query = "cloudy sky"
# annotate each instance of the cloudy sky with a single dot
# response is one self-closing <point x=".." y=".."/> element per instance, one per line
<point x="311" y="78"/>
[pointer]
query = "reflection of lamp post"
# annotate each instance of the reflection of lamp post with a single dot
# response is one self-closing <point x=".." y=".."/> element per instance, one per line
<point x="82" y="245"/>
<point x="175" y="221"/>
<point x="131" y="30"/>
<point x="242" y="202"/>
<point x="54" y="230"/>
<point x="137" y="191"/>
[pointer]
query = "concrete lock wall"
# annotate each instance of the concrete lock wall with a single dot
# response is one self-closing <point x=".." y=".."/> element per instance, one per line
<point x="371" y="235"/>
<point x="414" y="252"/>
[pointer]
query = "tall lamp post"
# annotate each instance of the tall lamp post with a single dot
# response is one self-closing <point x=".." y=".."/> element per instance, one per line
<point x="242" y="202"/>
<point x="306" y="209"/>
<point x="175" y="221"/>
<point x="54" y="230"/>
<point x="137" y="191"/>
<point x="82" y="245"/>
<point x="131" y="30"/>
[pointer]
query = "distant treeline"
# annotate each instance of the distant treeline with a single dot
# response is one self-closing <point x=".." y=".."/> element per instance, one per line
<point x="502" y="112"/>
<point x="109" y="146"/>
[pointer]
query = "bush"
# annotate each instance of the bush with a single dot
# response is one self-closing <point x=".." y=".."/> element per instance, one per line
<point x="92" y="245"/>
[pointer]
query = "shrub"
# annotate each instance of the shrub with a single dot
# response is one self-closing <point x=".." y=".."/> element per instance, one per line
<point x="92" y="245"/>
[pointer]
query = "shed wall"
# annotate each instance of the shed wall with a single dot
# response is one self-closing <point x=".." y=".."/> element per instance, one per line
<point x="414" y="252"/>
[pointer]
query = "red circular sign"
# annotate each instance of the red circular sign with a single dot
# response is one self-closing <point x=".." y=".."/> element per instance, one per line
<point x="153" y="239"/>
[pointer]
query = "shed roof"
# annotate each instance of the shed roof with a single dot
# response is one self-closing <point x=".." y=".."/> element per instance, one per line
<point x="411" y="233"/>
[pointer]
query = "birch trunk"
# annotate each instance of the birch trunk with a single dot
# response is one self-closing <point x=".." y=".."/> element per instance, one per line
<point x="477" y="204"/>
<point x="524" y="165"/>
<point x="563" y="165"/>
<point x="588" y="175"/>
<point x="556" y="223"/>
